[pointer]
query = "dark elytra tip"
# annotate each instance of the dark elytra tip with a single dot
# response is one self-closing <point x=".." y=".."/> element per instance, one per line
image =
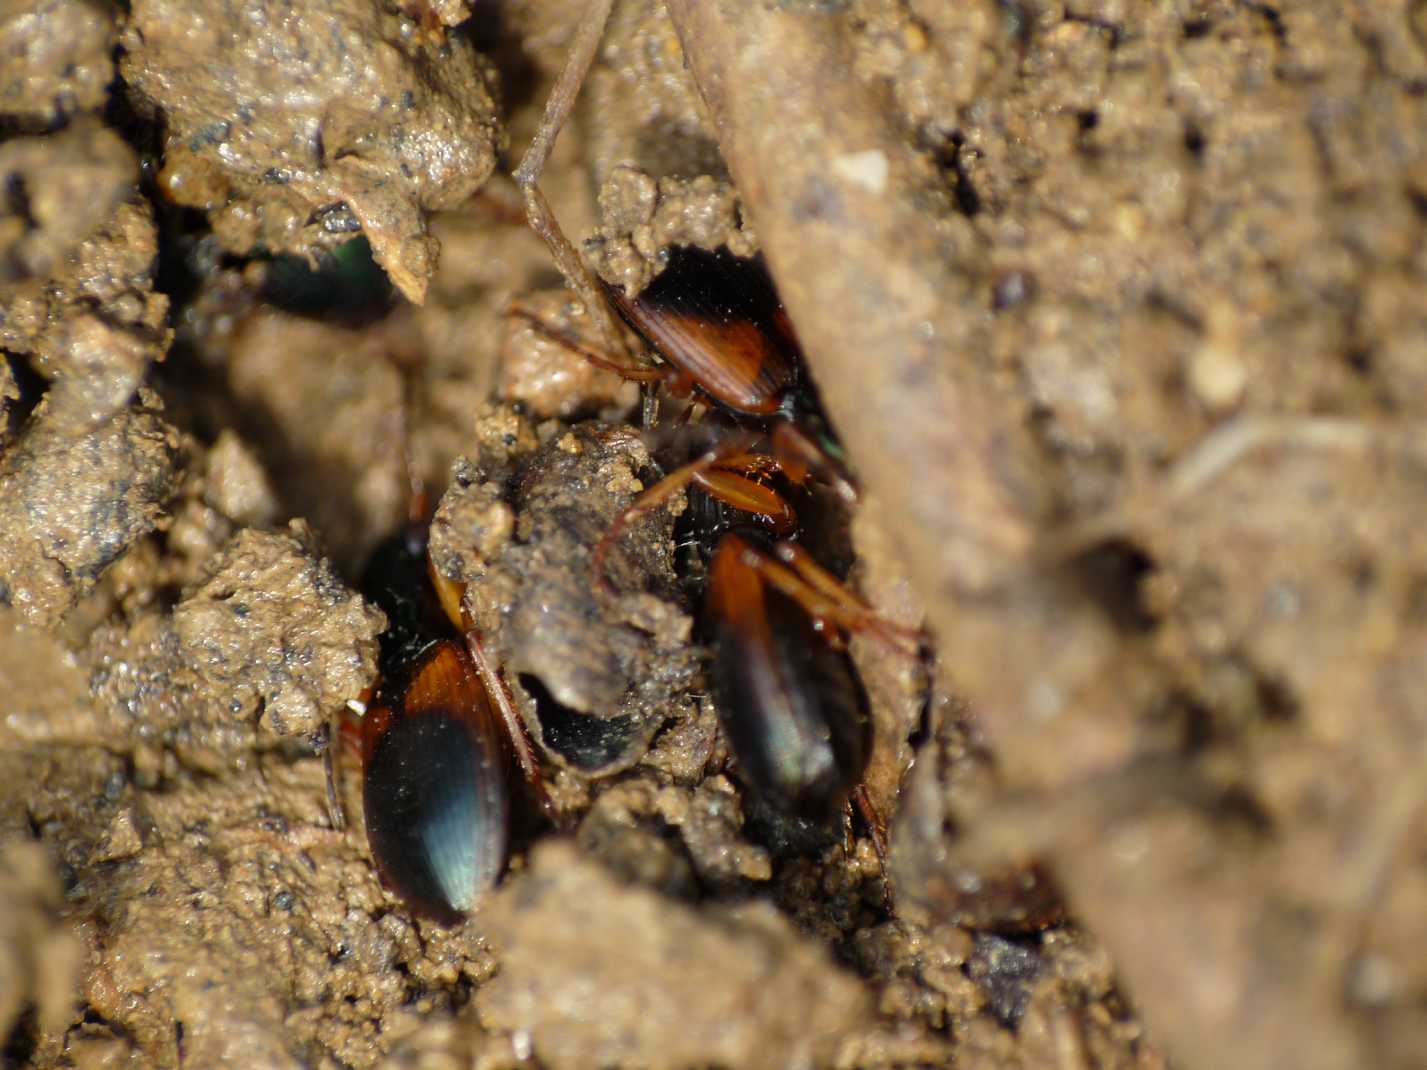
<point x="590" y="744"/>
<point x="435" y="792"/>
<point x="792" y="705"/>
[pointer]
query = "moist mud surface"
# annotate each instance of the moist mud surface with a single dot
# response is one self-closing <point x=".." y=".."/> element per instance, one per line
<point x="1116" y="308"/>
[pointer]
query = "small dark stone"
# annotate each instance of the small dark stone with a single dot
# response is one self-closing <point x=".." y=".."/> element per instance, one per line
<point x="1005" y="971"/>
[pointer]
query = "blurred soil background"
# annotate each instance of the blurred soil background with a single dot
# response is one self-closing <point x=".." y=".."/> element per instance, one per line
<point x="1118" y="308"/>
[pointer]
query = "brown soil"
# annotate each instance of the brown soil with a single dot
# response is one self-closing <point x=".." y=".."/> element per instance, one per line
<point x="1116" y="306"/>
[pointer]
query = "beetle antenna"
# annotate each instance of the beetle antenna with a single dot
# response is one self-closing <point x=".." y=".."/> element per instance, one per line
<point x="335" y="813"/>
<point x="527" y="176"/>
<point x="418" y="501"/>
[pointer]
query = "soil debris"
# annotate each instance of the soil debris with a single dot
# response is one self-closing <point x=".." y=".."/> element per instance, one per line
<point x="442" y="12"/>
<point x="345" y="472"/>
<point x="70" y="503"/>
<point x="271" y="640"/>
<point x="368" y="126"/>
<point x="237" y="483"/>
<point x="641" y="216"/>
<point x="76" y="289"/>
<point x="271" y="892"/>
<point x="649" y="108"/>
<point x="627" y="829"/>
<point x="576" y="655"/>
<point x="544" y="375"/>
<point x="40" y="957"/>
<point x="59" y="60"/>
<point x="276" y="628"/>
<point x="59" y="190"/>
<point x="659" y="985"/>
<point x="954" y="776"/>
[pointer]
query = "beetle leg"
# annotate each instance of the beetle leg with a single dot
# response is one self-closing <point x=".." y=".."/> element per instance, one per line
<point x="648" y="406"/>
<point x="848" y="611"/>
<point x="861" y="800"/>
<point x="799" y="455"/>
<point x="678" y="385"/>
<point x="681" y="385"/>
<point x="515" y="728"/>
<point x="527" y="175"/>
<point x="682" y="420"/>
<point x="349" y="738"/>
<point x="335" y="813"/>
<point x="634" y="372"/>
<point x="738" y="490"/>
<point x="826" y="599"/>
<point x="657" y="495"/>
<point x="830" y="616"/>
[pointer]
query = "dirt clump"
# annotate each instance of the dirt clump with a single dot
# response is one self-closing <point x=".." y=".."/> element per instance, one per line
<point x="935" y="884"/>
<point x="76" y="292"/>
<point x="40" y="962"/>
<point x="273" y="892"/>
<point x="72" y="503"/>
<point x="280" y="369"/>
<point x="69" y="183"/>
<point x="743" y="988"/>
<point x="63" y="261"/>
<point x="600" y="670"/>
<point x="94" y="463"/>
<point x="270" y="641"/>
<point x="59" y="60"/>
<point x="287" y="601"/>
<point x="370" y="125"/>
<point x="642" y="215"/>
<point x="543" y="374"/>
